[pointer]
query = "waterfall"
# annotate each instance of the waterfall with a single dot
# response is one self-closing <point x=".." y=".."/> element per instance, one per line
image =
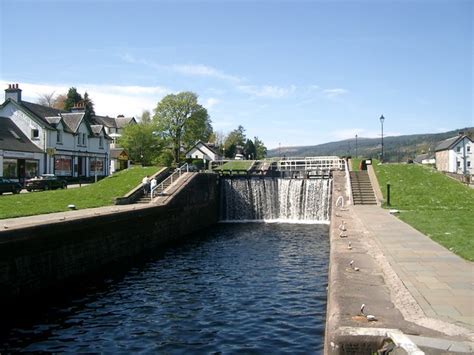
<point x="275" y="199"/>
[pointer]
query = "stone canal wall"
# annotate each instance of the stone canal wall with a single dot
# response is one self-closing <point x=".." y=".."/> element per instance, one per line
<point x="39" y="255"/>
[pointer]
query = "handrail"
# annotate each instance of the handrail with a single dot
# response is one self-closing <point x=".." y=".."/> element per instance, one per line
<point x="169" y="180"/>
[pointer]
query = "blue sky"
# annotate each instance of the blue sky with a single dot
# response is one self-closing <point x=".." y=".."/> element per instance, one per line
<point x="291" y="72"/>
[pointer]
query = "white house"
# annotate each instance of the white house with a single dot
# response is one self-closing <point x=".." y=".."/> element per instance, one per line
<point x="203" y="151"/>
<point x="71" y="145"/>
<point x="455" y="155"/>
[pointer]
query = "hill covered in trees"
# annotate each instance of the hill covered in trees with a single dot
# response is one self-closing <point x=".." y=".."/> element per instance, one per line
<point x="396" y="149"/>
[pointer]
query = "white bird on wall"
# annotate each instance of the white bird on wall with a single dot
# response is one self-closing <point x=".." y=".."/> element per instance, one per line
<point x="342" y="226"/>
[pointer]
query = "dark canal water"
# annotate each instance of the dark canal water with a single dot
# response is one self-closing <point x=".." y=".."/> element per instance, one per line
<point x="237" y="288"/>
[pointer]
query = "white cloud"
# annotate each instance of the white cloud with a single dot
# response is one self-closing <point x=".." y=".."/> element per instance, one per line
<point x="112" y="100"/>
<point x="332" y="93"/>
<point x="270" y="91"/>
<point x="185" y="69"/>
<point x="211" y="102"/>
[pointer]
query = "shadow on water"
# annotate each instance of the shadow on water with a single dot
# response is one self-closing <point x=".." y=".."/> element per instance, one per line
<point x="234" y="287"/>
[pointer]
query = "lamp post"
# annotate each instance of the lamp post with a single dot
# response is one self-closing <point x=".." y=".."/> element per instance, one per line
<point x="356" y="147"/>
<point x="381" y="122"/>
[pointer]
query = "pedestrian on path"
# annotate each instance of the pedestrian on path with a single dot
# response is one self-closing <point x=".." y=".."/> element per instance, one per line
<point x="146" y="184"/>
<point x="153" y="184"/>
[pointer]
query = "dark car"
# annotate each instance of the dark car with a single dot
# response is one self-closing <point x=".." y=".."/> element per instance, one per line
<point x="45" y="182"/>
<point x="7" y="185"/>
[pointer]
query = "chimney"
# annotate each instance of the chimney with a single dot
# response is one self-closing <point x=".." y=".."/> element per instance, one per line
<point x="13" y="92"/>
<point x="120" y="116"/>
<point x="79" y="107"/>
<point x="461" y="133"/>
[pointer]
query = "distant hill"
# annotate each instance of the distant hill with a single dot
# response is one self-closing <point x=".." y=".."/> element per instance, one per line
<point x="399" y="148"/>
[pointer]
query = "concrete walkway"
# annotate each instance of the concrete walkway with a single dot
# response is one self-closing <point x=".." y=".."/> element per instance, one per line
<point x="440" y="282"/>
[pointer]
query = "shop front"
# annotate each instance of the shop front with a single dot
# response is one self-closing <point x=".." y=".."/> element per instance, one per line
<point x="20" y="166"/>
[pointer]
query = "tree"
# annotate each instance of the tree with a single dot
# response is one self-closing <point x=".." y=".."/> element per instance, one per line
<point x="72" y="99"/>
<point x="142" y="143"/>
<point x="249" y="150"/>
<point x="146" y="117"/>
<point x="88" y="105"/>
<point x="260" y="149"/>
<point x="59" y="102"/>
<point x="233" y="140"/>
<point x="181" y="119"/>
<point x="47" y="99"/>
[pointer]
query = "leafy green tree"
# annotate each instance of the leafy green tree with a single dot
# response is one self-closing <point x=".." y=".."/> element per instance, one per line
<point x="234" y="139"/>
<point x="249" y="150"/>
<point x="72" y="98"/>
<point x="260" y="149"/>
<point x="142" y="143"/>
<point x="181" y="119"/>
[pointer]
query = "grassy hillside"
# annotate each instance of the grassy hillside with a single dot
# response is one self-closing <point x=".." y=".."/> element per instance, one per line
<point x="99" y="194"/>
<point x="396" y="149"/>
<point x="433" y="203"/>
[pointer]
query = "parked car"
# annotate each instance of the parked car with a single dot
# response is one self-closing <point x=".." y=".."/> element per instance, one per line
<point x="7" y="185"/>
<point x="45" y="182"/>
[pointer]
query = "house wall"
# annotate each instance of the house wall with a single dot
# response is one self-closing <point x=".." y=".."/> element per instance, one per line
<point x="461" y="151"/>
<point x="25" y="123"/>
<point x="442" y="160"/>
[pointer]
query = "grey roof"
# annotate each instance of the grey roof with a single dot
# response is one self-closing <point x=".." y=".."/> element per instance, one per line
<point x="53" y="121"/>
<point x="421" y="157"/>
<point x="96" y="129"/>
<point x="448" y="143"/>
<point x="105" y="120"/>
<point x="73" y="120"/>
<point x="204" y="144"/>
<point x="115" y="152"/>
<point x="40" y="111"/>
<point x="121" y="122"/>
<point x="12" y="138"/>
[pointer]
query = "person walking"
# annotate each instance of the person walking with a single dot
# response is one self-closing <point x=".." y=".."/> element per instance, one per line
<point x="146" y="184"/>
<point x="153" y="184"/>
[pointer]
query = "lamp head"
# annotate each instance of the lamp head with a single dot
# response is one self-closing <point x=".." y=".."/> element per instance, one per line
<point x="382" y="119"/>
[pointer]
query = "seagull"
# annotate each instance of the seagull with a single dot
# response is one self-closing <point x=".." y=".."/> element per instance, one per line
<point x="352" y="266"/>
<point x="343" y="234"/>
<point x="350" y="246"/>
<point x="342" y="226"/>
<point x="362" y="309"/>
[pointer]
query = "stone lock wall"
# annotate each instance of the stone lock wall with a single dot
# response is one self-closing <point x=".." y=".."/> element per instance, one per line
<point x="37" y="257"/>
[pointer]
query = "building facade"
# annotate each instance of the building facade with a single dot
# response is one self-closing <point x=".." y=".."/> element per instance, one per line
<point x="71" y="144"/>
<point x="455" y="155"/>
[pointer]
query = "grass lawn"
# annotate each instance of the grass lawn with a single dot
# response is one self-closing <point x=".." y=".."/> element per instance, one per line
<point x="433" y="203"/>
<point x="99" y="194"/>
<point x="236" y="165"/>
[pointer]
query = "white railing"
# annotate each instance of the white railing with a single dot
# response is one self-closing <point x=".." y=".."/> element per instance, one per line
<point x="158" y="189"/>
<point x="311" y="163"/>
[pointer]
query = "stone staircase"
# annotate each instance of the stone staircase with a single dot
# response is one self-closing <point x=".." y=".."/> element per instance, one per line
<point x="147" y="198"/>
<point x="362" y="191"/>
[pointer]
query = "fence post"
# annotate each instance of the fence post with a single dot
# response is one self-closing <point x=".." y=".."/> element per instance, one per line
<point x="388" y="194"/>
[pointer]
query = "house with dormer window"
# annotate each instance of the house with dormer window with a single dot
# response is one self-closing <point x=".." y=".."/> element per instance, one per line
<point x="456" y="155"/>
<point x="72" y="145"/>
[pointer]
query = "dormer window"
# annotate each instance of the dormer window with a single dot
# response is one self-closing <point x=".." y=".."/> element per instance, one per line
<point x="59" y="137"/>
<point x="34" y="133"/>
<point x="458" y="149"/>
<point x="101" y="142"/>
<point x="79" y="139"/>
<point x="83" y="139"/>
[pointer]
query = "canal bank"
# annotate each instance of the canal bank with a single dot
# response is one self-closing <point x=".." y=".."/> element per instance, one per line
<point x="365" y="269"/>
<point x="40" y="252"/>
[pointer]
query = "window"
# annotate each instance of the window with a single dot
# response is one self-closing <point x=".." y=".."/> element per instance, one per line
<point x="83" y="139"/>
<point x="79" y="139"/>
<point x="101" y="142"/>
<point x="63" y="165"/>
<point x="34" y="134"/>
<point x="31" y="168"/>
<point x="10" y="168"/>
<point x="458" y="164"/>
<point x="468" y="148"/>
<point x="96" y="166"/>
<point x="458" y="149"/>
<point x="59" y="137"/>
<point x="468" y="164"/>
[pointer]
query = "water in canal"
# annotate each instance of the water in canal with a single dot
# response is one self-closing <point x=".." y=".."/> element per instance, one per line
<point x="235" y="288"/>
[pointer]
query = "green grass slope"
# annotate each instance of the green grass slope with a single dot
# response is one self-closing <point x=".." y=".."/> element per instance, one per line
<point x="99" y="194"/>
<point x="433" y="203"/>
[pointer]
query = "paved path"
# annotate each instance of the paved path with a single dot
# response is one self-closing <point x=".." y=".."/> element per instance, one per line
<point x="441" y="282"/>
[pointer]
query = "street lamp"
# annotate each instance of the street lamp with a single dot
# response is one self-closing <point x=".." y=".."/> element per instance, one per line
<point x="381" y="122"/>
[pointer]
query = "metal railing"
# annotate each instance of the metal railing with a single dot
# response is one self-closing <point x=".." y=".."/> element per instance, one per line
<point x="310" y="163"/>
<point x="158" y="189"/>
